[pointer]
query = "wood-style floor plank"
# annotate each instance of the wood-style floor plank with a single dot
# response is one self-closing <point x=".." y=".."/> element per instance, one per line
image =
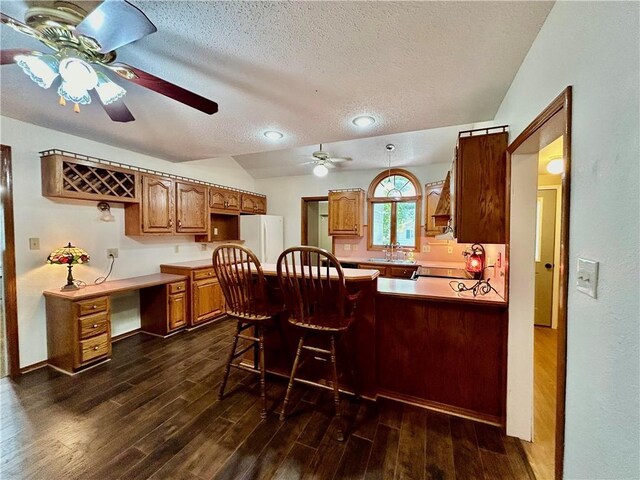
<point x="153" y="412"/>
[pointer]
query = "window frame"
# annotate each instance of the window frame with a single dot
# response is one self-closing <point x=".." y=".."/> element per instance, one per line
<point x="371" y="200"/>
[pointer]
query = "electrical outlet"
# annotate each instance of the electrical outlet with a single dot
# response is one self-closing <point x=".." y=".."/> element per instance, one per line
<point x="176" y="249"/>
<point x="426" y="248"/>
<point x="347" y="247"/>
<point x="499" y="260"/>
<point x="112" y="251"/>
<point x="355" y="247"/>
<point x="449" y="249"/>
<point x="34" y="244"/>
<point x="215" y="230"/>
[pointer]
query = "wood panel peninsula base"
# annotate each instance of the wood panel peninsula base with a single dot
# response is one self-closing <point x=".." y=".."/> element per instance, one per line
<point x="417" y="342"/>
<point x="79" y="321"/>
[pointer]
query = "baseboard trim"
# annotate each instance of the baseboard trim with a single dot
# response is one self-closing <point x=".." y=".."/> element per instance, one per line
<point x="32" y="367"/>
<point x="122" y="336"/>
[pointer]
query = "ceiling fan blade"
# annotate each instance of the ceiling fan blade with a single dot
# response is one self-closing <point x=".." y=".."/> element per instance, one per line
<point x="19" y="26"/>
<point x="339" y="159"/>
<point x="115" y="23"/>
<point x="167" y="89"/>
<point x="329" y="164"/>
<point x="117" y="111"/>
<point x="310" y="162"/>
<point x="8" y="56"/>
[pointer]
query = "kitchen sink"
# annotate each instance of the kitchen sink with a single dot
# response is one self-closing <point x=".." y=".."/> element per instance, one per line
<point x="397" y="262"/>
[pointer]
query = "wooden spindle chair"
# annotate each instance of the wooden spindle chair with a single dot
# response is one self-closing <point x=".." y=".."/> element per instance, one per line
<point x="315" y="296"/>
<point x="245" y="291"/>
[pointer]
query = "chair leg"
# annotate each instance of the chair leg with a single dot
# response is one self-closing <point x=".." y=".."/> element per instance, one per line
<point x="293" y="374"/>
<point x="263" y="387"/>
<point x="283" y="339"/>
<point x="228" y="366"/>
<point x="336" y="389"/>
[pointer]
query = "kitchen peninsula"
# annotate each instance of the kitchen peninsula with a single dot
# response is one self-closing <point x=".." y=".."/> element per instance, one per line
<point x="416" y="341"/>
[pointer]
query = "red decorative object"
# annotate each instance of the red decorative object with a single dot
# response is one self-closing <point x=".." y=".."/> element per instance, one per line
<point x="474" y="262"/>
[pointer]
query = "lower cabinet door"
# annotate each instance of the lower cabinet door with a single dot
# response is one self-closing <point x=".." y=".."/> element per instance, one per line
<point x="208" y="301"/>
<point x="177" y="310"/>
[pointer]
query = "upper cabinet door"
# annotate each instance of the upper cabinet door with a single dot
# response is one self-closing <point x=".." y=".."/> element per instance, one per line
<point x="157" y="205"/>
<point x="346" y="212"/>
<point x="223" y="199"/>
<point x="192" y="212"/>
<point x="481" y="188"/>
<point x="432" y="192"/>
<point x="253" y="204"/>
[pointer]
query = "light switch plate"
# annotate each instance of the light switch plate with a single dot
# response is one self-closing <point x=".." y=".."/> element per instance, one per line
<point x="347" y="247"/>
<point x="355" y="247"/>
<point x="587" y="281"/>
<point x="426" y="248"/>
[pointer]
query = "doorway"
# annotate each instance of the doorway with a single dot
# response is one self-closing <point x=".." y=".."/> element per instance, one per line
<point x="540" y="166"/>
<point x="9" y="355"/>
<point x="315" y="222"/>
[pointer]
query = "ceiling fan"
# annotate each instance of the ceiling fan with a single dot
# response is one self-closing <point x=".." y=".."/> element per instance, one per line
<point x="323" y="162"/>
<point x="84" y="51"/>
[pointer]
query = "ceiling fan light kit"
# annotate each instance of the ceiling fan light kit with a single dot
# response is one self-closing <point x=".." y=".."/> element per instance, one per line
<point x="80" y="42"/>
<point x="320" y="170"/>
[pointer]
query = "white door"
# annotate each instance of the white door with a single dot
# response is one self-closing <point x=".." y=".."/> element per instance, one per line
<point x="545" y="248"/>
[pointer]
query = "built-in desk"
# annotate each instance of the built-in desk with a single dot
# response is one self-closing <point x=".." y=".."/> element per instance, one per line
<point x="79" y="321"/>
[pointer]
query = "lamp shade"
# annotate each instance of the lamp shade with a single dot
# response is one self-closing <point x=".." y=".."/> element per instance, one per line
<point x="42" y="69"/>
<point x="108" y="91"/>
<point x="68" y="255"/>
<point x="474" y="262"/>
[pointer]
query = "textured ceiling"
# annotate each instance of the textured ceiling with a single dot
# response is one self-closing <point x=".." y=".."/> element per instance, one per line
<point x="412" y="149"/>
<point x="303" y="68"/>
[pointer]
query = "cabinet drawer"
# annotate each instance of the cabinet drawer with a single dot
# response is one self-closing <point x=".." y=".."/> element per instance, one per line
<point x="95" y="305"/>
<point x="177" y="287"/>
<point x="402" y="272"/>
<point x="94" y="347"/>
<point x="92" y="325"/>
<point x="204" y="273"/>
<point x="382" y="270"/>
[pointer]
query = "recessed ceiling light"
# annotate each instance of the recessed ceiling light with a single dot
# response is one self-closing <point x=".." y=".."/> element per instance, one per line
<point x="273" y="135"/>
<point x="555" y="166"/>
<point x="320" y="170"/>
<point x="363" y="121"/>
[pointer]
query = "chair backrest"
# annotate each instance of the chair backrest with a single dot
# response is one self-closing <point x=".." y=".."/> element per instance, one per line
<point x="242" y="281"/>
<point x="313" y="287"/>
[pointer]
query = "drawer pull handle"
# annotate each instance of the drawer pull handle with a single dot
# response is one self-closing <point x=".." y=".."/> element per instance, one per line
<point x="95" y="325"/>
<point x="96" y="347"/>
<point x="210" y="273"/>
<point x="94" y="306"/>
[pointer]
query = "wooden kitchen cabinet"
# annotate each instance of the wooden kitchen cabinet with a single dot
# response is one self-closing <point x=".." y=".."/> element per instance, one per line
<point x="391" y="270"/>
<point x="481" y="186"/>
<point x="163" y="309"/>
<point x="346" y="212"/>
<point x="192" y="212"/>
<point x="252" y="203"/>
<point x="168" y="207"/>
<point x="204" y="299"/>
<point x="432" y="192"/>
<point x="222" y="199"/>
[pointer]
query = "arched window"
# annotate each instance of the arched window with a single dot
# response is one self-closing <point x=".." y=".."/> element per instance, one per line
<point x="394" y="209"/>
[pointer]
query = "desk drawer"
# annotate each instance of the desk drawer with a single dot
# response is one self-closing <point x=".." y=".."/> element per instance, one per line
<point x="95" y="305"/>
<point x="177" y="287"/>
<point x="92" y="325"/>
<point x="94" y="347"/>
<point x="204" y="273"/>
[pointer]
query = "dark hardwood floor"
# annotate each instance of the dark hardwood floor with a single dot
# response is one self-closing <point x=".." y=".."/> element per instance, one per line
<point x="152" y="412"/>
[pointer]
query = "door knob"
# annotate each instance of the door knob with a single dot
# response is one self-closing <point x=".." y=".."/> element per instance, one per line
<point x="548" y="265"/>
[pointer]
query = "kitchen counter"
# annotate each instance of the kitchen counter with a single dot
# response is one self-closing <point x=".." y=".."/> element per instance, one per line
<point x="435" y="289"/>
<point x="381" y="261"/>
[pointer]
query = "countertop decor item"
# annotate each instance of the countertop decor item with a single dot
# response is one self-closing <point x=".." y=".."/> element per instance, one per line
<point x="68" y="256"/>
<point x="474" y="260"/>
<point x="481" y="287"/>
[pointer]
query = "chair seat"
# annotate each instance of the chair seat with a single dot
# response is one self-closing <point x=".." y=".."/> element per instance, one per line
<point x="262" y="313"/>
<point x="324" y="323"/>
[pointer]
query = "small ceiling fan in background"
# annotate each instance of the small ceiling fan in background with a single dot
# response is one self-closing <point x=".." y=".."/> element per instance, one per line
<point x="323" y="162"/>
<point x="84" y="51"/>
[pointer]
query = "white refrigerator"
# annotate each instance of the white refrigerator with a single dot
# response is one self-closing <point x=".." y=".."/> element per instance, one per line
<point x="264" y="235"/>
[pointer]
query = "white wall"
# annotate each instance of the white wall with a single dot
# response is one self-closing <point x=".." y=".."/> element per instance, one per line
<point x="57" y="222"/>
<point x="284" y="193"/>
<point x="594" y="47"/>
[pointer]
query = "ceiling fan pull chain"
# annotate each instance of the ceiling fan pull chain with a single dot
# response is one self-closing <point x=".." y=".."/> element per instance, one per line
<point x="76" y="108"/>
<point x="62" y="101"/>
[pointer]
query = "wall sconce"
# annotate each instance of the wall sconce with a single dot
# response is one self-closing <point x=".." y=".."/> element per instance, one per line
<point x="105" y="212"/>
<point x="474" y="262"/>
